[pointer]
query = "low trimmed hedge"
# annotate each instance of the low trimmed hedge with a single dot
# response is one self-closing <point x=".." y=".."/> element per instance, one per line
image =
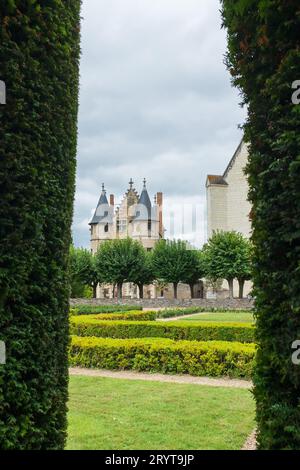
<point x="179" y="330"/>
<point x="92" y="309"/>
<point x="178" y="312"/>
<point x="147" y="315"/>
<point x="212" y="358"/>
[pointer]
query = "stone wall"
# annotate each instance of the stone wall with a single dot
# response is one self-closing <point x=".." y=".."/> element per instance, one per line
<point x="163" y="303"/>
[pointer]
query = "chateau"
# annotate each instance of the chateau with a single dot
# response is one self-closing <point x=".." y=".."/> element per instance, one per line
<point x="228" y="207"/>
<point x="136" y="217"/>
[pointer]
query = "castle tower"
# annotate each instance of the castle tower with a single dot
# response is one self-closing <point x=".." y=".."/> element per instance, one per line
<point x="145" y="224"/>
<point x="136" y="217"/>
<point x="101" y="225"/>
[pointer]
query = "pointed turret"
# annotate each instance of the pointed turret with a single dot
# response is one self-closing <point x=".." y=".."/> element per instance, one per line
<point x="102" y="213"/>
<point x="144" y="206"/>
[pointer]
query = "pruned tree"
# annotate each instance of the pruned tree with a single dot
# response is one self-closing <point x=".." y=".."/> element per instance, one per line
<point x="145" y="275"/>
<point x="196" y="271"/>
<point x="226" y="257"/>
<point x="171" y="262"/>
<point x="82" y="271"/>
<point x="119" y="261"/>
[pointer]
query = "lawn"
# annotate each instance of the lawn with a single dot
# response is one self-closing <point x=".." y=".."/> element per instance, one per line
<point x="122" y="414"/>
<point x="222" y="316"/>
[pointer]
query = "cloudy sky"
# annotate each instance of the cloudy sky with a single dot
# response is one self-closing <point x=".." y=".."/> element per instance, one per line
<point x="155" y="102"/>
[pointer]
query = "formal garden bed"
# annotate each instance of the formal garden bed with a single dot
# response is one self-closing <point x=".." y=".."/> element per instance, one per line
<point x="133" y="340"/>
<point x="177" y="330"/>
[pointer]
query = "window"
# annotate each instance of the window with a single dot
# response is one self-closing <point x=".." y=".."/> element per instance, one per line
<point x="122" y="225"/>
<point x="106" y="228"/>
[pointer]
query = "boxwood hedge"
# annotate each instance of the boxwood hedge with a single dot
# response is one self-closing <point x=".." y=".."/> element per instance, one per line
<point x="200" y="331"/>
<point x="39" y="58"/>
<point x="92" y="309"/>
<point x="212" y="358"/>
<point x="131" y="315"/>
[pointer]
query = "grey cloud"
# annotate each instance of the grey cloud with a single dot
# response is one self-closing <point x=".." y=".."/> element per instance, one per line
<point x="155" y="100"/>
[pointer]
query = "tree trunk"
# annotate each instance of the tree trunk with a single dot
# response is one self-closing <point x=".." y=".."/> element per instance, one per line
<point x="120" y="285"/>
<point x="230" y="284"/>
<point x="192" y="290"/>
<point x="114" y="291"/>
<point x="141" y="290"/>
<point x="95" y="290"/>
<point x="175" y="285"/>
<point x="241" y="288"/>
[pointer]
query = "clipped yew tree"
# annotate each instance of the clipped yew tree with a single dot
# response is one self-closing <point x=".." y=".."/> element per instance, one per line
<point x="264" y="61"/>
<point x="39" y="58"/>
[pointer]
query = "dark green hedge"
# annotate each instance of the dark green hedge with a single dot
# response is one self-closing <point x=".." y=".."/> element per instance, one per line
<point x="212" y="358"/>
<point x="39" y="57"/>
<point x="264" y="61"/>
<point x="200" y="331"/>
<point x="92" y="309"/>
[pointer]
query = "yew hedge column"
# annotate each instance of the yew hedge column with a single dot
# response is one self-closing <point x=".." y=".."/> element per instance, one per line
<point x="39" y="59"/>
<point x="264" y="60"/>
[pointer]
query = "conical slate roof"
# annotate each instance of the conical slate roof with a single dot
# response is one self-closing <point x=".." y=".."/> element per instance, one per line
<point x="103" y="212"/>
<point x="144" y="207"/>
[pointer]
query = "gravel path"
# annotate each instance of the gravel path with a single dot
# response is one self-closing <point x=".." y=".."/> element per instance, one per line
<point x="250" y="443"/>
<point x="181" y="317"/>
<point x="180" y="379"/>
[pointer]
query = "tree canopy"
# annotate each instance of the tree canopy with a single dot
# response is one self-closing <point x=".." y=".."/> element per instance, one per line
<point x="171" y="262"/>
<point x="119" y="261"/>
<point x="227" y="256"/>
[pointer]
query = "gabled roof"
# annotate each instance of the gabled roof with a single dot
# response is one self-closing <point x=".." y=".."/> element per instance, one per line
<point x="221" y="179"/>
<point x="216" y="179"/>
<point x="231" y="163"/>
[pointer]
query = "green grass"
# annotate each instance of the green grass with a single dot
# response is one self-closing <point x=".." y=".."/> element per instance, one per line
<point x="122" y="414"/>
<point x="223" y="316"/>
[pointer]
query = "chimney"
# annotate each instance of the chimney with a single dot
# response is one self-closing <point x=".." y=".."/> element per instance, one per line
<point x="112" y="200"/>
<point x="159" y="199"/>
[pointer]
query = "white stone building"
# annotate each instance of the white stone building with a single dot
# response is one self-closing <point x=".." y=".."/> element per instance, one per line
<point x="228" y="207"/>
<point x="136" y="217"/>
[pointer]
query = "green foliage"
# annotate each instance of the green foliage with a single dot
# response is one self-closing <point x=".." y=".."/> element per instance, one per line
<point x="263" y="58"/>
<point x="145" y="275"/>
<point x="171" y="262"/>
<point x="227" y="255"/>
<point x="39" y="58"/>
<point x="82" y="273"/>
<point x="196" y="269"/>
<point x="119" y="261"/>
<point x="209" y="358"/>
<point x="130" y="315"/>
<point x="200" y="331"/>
<point x="93" y="309"/>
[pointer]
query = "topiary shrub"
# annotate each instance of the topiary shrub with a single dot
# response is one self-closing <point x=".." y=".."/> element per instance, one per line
<point x="212" y="358"/>
<point x="130" y="315"/>
<point x="201" y="331"/>
<point x="264" y="61"/>
<point x="93" y="309"/>
<point x="39" y="58"/>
